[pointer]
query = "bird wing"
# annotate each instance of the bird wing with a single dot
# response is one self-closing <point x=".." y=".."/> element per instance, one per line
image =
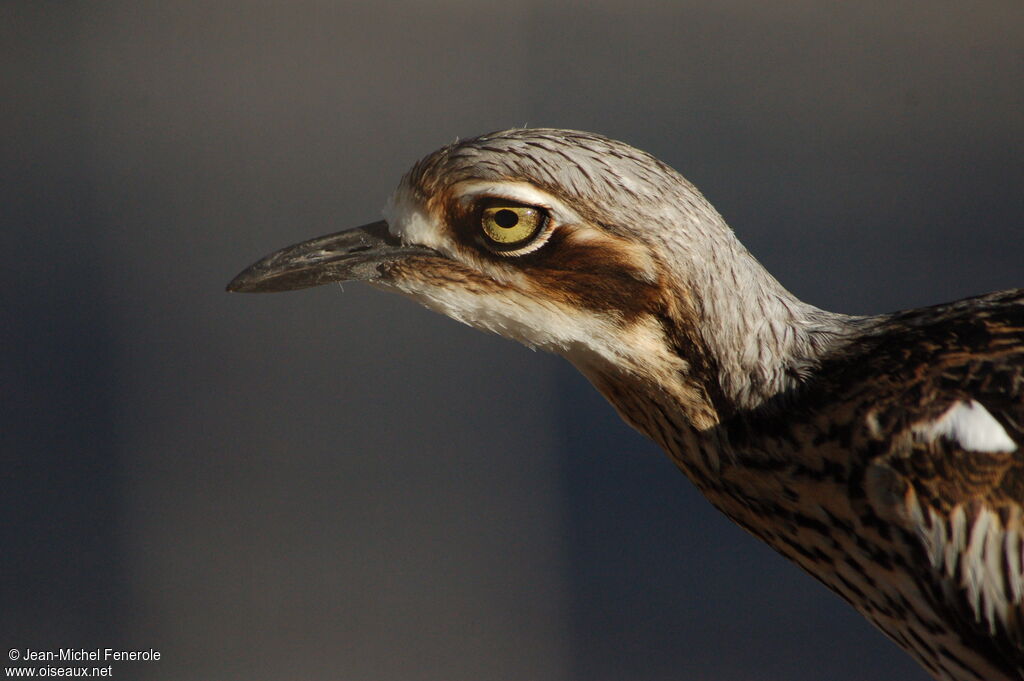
<point x="947" y="431"/>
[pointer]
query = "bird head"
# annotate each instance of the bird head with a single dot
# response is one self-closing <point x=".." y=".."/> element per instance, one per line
<point x="562" y="240"/>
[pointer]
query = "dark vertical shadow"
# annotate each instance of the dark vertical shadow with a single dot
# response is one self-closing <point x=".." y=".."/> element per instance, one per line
<point x="60" y="500"/>
<point x="623" y="501"/>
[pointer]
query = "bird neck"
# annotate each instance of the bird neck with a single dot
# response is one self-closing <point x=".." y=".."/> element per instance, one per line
<point x="756" y="338"/>
<point x="761" y="339"/>
<point x="730" y="336"/>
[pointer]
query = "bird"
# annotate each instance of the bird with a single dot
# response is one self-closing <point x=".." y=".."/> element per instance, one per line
<point x="882" y="454"/>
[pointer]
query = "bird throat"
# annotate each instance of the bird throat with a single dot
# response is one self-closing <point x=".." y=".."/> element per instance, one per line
<point x="668" y="390"/>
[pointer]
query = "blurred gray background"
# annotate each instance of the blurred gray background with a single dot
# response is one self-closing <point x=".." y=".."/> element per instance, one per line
<point x="326" y="484"/>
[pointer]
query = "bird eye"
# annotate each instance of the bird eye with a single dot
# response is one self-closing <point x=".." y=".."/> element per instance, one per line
<point x="509" y="225"/>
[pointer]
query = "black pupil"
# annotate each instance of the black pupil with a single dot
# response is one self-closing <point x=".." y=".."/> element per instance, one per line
<point x="506" y="218"/>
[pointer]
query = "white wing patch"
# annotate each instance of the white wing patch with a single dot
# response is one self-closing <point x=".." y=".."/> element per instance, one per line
<point x="969" y="424"/>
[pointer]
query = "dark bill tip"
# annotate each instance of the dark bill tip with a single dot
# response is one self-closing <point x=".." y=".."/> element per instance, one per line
<point x="352" y="255"/>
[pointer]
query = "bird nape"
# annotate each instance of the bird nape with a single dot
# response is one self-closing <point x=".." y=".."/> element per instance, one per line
<point x="881" y="454"/>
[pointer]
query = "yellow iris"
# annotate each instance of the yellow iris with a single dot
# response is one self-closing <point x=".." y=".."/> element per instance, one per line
<point x="510" y="224"/>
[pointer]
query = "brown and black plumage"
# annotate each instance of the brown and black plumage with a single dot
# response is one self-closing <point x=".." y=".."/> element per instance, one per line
<point x="881" y="454"/>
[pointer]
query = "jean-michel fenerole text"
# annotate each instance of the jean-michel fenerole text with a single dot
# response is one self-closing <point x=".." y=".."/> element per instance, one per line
<point x="92" y="655"/>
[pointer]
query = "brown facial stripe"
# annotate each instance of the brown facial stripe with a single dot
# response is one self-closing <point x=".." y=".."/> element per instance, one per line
<point x="441" y="272"/>
<point x="591" y="274"/>
<point x="597" y="275"/>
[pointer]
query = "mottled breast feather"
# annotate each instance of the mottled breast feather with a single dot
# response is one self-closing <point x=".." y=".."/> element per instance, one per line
<point x="955" y="497"/>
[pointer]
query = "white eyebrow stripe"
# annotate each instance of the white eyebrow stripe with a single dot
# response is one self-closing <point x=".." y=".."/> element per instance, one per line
<point x="970" y="424"/>
<point x="522" y="192"/>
